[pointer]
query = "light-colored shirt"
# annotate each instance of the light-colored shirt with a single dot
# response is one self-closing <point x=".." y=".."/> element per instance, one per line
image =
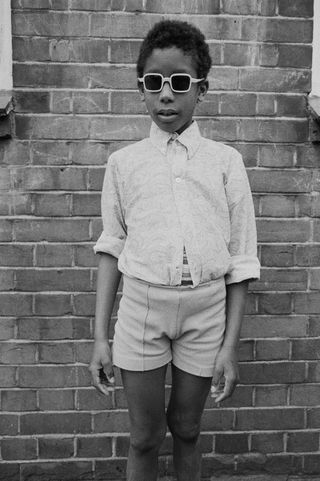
<point x="171" y="191"/>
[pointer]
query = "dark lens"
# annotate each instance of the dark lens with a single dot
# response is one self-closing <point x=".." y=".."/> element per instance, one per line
<point x="153" y="81"/>
<point x="180" y="83"/>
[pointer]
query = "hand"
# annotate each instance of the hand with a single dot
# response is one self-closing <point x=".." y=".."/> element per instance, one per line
<point x="101" y="367"/>
<point x="226" y="365"/>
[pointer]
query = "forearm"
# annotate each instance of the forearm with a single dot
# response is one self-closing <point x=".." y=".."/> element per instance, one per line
<point x="107" y="285"/>
<point x="235" y="305"/>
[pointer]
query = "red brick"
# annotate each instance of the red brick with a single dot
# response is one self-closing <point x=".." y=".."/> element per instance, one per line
<point x="223" y="78"/>
<point x="96" y="180"/>
<point x="30" y="49"/>
<point x="291" y="105"/>
<point x="32" y="101"/>
<point x="101" y="5"/>
<point x="84" y="304"/>
<point x="275" y="303"/>
<point x="13" y="400"/>
<point x="308" y="155"/>
<point x="7" y="376"/>
<point x="224" y="130"/>
<point x="85" y="257"/>
<point x="316" y="233"/>
<point x="276" y="155"/>
<point x="7" y="328"/>
<point x="46" y="376"/>
<point x="272" y="372"/>
<point x="269" y="55"/>
<point x="265" y="104"/>
<point x="308" y="255"/>
<point x="242" y="397"/>
<point x="50" y="448"/>
<point x="277" y="256"/>
<point x="53" y="328"/>
<point x="307" y="303"/>
<point x="9" y="424"/>
<point x="86" y="204"/>
<point x="247" y="7"/>
<point x="277" y="205"/>
<point x="111" y="421"/>
<point x="52" y="205"/>
<point x="54" y="423"/>
<point x="231" y="443"/>
<point x="17" y="353"/>
<point x="10" y="305"/>
<point x="129" y="103"/>
<point x="12" y="449"/>
<point x="299" y="56"/>
<point x="10" y="472"/>
<point x="274" y="80"/>
<point x="276" y="30"/>
<point x="274" y="326"/>
<point x="53" y="280"/>
<point x="52" y="304"/>
<point x="112" y="469"/>
<point x="296" y="8"/>
<point x="267" y="443"/>
<point x="80" y="50"/>
<point x="112" y="76"/>
<point x="272" y="350"/>
<point x="217" y="420"/>
<point x="240" y="54"/>
<point x="50" y="153"/>
<point x="56" y="399"/>
<point x="271" y="396"/>
<point x="51" y="127"/>
<point x="7" y="281"/>
<point x="304" y="395"/>
<point x="61" y="230"/>
<point x="94" y="447"/>
<point x="90" y="399"/>
<point x="121" y="128"/>
<point x="61" y="102"/>
<point x="313" y="371"/>
<point x="50" y="24"/>
<point x="314" y="326"/>
<point x="311" y="464"/>
<point x="5" y="230"/>
<point x="267" y="419"/>
<point x="283" y="230"/>
<point x="57" y="471"/>
<point x="92" y="153"/>
<point x="83" y="352"/>
<point x="51" y="255"/>
<point x="237" y="104"/>
<point x="313" y="418"/>
<point x="124" y="51"/>
<point x="281" y="280"/>
<point x="273" y="130"/>
<point x="280" y="181"/>
<point x="306" y="349"/>
<point x="56" y="353"/>
<point x="93" y="102"/>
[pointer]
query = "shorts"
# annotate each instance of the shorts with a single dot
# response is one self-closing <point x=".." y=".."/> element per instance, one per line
<point x="159" y="324"/>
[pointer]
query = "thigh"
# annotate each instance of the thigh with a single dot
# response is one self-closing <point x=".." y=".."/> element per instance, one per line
<point x="188" y="396"/>
<point x="145" y="393"/>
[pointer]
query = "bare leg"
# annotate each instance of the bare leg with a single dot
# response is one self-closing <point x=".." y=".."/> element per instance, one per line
<point x="188" y="396"/>
<point x="146" y="403"/>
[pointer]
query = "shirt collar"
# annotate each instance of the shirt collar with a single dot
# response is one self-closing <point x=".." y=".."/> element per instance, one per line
<point x="190" y="138"/>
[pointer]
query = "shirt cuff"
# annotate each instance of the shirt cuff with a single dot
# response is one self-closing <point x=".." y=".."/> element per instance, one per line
<point x="109" y="245"/>
<point x="243" y="268"/>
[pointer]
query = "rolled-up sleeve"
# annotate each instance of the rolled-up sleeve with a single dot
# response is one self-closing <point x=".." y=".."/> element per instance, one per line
<point x="114" y="234"/>
<point x="243" y="235"/>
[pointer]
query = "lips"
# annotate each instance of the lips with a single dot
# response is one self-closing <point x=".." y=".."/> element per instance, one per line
<point x="167" y="112"/>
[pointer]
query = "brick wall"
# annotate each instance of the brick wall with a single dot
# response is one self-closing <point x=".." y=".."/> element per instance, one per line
<point x="75" y="97"/>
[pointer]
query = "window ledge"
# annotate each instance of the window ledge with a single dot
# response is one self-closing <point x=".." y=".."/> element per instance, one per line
<point x="6" y="113"/>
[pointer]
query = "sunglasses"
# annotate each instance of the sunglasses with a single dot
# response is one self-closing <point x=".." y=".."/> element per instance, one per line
<point x="179" y="82"/>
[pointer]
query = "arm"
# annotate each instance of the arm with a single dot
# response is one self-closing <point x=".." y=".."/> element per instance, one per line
<point x="107" y="286"/>
<point x="226" y="363"/>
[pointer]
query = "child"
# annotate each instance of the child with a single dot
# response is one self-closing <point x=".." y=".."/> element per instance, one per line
<point x="179" y="225"/>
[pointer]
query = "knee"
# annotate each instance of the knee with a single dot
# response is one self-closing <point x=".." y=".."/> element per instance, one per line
<point x="184" y="428"/>
<point x="143" y="441"/>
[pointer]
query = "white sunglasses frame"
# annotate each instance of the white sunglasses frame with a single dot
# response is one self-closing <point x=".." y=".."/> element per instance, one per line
<point x="168" y="79"/>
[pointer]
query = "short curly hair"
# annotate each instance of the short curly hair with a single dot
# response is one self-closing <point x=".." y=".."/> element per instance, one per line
<point x="179" y="34"/>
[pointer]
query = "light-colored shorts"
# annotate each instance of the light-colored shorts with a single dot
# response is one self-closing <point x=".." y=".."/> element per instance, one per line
<point x="159" y="324"/>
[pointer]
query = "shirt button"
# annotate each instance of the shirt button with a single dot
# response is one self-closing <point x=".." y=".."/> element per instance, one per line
<point x="178" y="180"/>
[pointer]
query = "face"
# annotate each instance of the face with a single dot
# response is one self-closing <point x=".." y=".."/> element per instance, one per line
<point x="172" y="111"/>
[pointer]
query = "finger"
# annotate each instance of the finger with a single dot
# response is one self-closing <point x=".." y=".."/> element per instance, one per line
<point x="229" y="387"/>
<point x="101" y="388"/>
<point x="217" y="374"/>
<point x="107" y="382"/>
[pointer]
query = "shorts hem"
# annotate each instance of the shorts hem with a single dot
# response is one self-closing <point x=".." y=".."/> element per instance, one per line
<point x="140" y="364"/>
<point x="192" y="369"/>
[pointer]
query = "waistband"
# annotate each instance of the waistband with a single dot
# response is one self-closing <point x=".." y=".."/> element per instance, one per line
<point x="182" y="286"/>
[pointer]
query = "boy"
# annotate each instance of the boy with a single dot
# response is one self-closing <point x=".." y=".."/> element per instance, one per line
<point x="179" y="225"/>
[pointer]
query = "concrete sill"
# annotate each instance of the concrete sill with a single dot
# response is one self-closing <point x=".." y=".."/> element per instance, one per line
<point x="6" y="114"/>
<point x="314" y="108"/>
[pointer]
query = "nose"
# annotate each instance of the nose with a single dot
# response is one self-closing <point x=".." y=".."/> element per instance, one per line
<point x="166" y="93"/>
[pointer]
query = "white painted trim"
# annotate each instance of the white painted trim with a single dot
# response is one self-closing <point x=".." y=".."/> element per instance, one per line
<point x="316" y="50"/>
<point x="5" y="46"/>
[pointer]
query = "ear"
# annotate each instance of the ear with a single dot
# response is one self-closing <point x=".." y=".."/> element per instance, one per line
<point x="203" y="89"/>
<point x="141" y="90"/>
